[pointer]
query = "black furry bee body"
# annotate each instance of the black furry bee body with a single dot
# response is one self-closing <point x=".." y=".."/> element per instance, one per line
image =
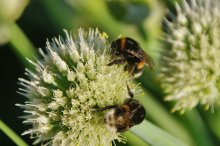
<point x="120" y="118"/>
<point x="130" y="53"/>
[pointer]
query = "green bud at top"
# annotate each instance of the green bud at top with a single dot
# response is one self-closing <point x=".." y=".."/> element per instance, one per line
<point x="11" y="10"/>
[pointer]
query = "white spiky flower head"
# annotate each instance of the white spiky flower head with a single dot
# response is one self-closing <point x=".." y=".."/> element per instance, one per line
<point x="191" y="65"/>
<point x="69" y="82"/>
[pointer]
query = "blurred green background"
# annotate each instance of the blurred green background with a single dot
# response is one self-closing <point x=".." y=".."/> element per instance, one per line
<point x="139" y="19"/>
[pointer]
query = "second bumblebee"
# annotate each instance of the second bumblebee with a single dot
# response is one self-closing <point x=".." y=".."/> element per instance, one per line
<point x="120" y="118"/>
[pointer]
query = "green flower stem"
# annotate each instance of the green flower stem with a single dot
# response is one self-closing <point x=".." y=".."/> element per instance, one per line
<point x="155" y="136"/>
<point x="164" y="119"/>
<point x="134" y="139"/>
<point x="11" y="134"/>
<point x="21" y="45"/>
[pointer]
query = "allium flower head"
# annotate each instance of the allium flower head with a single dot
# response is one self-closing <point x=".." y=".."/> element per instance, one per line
<point x="191" y="66"/>
<point x="69" y="83"/>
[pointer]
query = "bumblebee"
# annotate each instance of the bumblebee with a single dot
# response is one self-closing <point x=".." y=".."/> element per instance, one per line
<point x="130" y="52"/>
<point x="121" y="118"/>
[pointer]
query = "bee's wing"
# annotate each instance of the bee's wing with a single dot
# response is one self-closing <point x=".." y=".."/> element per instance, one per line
<point x="142" y="56"/>
<point x="149" y="61"/>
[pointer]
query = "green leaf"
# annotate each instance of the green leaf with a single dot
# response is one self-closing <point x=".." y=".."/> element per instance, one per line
<point x="11" y="134"/>
<point x="159" y="115"/>
<point x="198" y="128"/>
<point x="133" y="139"/>
<point x="155" y="136"/>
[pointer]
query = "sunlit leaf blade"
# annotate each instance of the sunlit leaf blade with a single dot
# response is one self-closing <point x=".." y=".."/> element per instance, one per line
<point x="11" y="134"/>
<point x="155" y="136"/>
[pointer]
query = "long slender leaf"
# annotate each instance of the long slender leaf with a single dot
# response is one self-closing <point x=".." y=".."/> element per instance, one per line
<point x="11" y="134"/>
<point x="155" y="136"/>
<point x="133" y="139"/>
<point x="164" y="119"/>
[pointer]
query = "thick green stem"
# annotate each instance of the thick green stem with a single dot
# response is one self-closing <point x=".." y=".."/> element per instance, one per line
<point x="11" y="134"/>
<point x="21" y="45"/>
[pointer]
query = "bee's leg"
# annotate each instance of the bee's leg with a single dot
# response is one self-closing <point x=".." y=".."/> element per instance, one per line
<point x="131" y="94"/>
<point x="130" y="68"/>
<point x="118" y="61"/>
<point x="132" y="71"/>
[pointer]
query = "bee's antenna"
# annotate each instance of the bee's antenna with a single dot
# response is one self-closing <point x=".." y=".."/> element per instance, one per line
<point x="131" y="94"/>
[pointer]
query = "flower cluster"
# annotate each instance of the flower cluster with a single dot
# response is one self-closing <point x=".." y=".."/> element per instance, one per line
<point x="191" y="68"/>
<point x="68" y="85"/>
